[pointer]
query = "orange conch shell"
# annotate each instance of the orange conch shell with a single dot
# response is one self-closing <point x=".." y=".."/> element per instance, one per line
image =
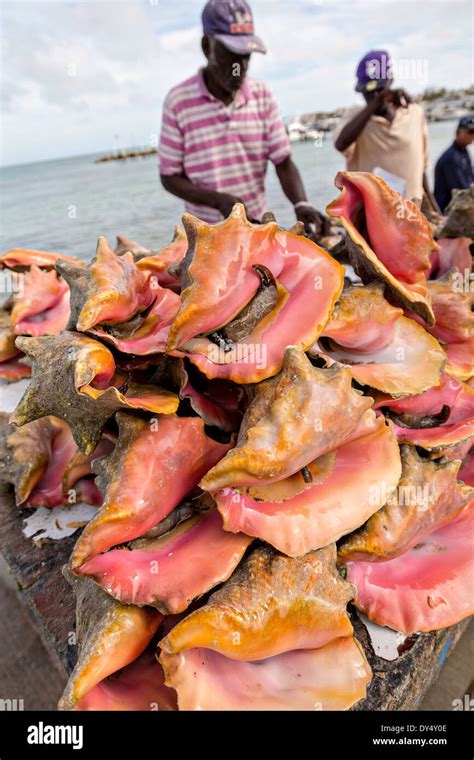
<point x="427" y="497"/>
<point x="293" y="420"/>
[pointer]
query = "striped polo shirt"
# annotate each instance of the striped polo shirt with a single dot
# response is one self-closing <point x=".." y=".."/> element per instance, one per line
<point x="219" y="147"/>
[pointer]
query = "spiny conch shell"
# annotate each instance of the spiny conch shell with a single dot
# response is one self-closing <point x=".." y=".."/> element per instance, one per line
<point x="389" y="239"/>
<point x="367" y="469"/>
<point x="8" y="350"/>
<point x="73" y="378"/>
<point x="275" y="636"/>
<point x="42" y="307"/>
<point x="42" y="462"/>
<point x="292" y="421"/>
<point x="453" y="306"/>
<point x="111" y="289"/>
<point x="428" y="496"/>
<point x="427" y="588"/>
<point x="225" y="268"/>
<point x="271" y="604"/>
<point x="448" y="409"/>
<point x="453" y="252"/>
<point x="166" y="264"/>
<point x="12" y="367"/>
<point x="460" y="213"/>
<point x="21" y="259"/>
<point x="169" y="571"/>
<point x="154" y="465"/>
<point x="109" y="636"/>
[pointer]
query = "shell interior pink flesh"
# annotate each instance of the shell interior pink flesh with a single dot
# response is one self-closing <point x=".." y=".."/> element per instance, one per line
<point x="367" y="469"/>
<point x="138" y="686"/>
<point x="152" y="335"/>
<point x="427" y="588"/>
<point x="332" y="677"/>
<point x="453" y="252"/>
<point x="173" y="570"/>
<point x="160" y="466"/>
<point x="43" y="306"/>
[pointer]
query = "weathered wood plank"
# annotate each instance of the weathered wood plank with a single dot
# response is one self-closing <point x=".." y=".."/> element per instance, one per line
<point x="397" y="685"/>
<point x="37" y="571"/>
<point x="401" y="684"/>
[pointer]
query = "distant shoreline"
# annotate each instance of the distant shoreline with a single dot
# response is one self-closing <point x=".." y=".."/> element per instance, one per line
<point x="123" y="155"/>
<point x="439" y="105"/>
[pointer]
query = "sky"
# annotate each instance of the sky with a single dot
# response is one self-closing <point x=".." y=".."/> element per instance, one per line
<point x="80" y="76"/>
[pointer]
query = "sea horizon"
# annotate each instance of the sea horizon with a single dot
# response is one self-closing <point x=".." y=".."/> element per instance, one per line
<point x="65" y="204"/>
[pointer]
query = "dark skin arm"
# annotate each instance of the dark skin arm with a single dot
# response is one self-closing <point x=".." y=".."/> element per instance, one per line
<point x="429" y="194"/>
<point x="179" y="185"/>
<point x="291" y="184"/>
<point x="316" y="224"/>
<point x="352" y="130"/>
<point x="383" y="102"/>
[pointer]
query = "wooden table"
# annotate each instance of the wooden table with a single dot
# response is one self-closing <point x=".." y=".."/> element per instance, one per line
<point x="397" y="684"/>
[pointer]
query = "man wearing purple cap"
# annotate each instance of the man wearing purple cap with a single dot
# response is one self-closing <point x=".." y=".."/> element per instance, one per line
<point x="389" y="136"/>
<point x="220" y="128"/>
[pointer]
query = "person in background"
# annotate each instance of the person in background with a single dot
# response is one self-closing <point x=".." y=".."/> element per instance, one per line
<point x="388" y="133"/>
<point x="454" y="168"/>
<point x="220" y="128"/>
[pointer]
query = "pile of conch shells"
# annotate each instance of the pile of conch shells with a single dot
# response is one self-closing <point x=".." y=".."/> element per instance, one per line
<point x="265" y="441"/>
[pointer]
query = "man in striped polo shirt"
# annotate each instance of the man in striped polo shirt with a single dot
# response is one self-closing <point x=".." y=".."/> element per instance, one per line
<point x="220" y="128"/>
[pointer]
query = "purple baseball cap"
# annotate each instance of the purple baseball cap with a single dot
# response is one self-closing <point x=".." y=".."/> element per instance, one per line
<point x="374" y="71"/>
<point x="231" y="22"/>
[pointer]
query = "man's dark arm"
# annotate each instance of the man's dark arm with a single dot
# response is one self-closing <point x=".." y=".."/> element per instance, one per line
<point x="181" y="186"/>
<point x="429" y="194"/>
<point x="290" y="181"/>
<point x="352" y="130"/>
<point x="292" y="185"/>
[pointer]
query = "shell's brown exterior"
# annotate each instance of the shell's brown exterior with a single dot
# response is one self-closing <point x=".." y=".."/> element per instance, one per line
<point x="295" y="417"/>
<point x="428" y="496"/>
<point x="460" y="212"/>
<point x="109" y="636"/>
<point x="110" y="289"/>
<point x="65" y="367"/>
<point x="271" y="604"/>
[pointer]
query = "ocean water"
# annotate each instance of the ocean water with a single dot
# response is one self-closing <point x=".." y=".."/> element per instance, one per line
<point x="65" y="205"/>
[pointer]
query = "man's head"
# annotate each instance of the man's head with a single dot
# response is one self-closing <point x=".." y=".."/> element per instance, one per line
<point x="374" y="73"/>
<point x="465" y="131"/>
<point x="229" y="41"/>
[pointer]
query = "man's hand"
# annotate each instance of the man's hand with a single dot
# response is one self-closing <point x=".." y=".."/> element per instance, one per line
<point x="380" y="96"/>
<point x="315" y="224"/>
<point x="181" y="186"/>
<point x="227" y="202"/>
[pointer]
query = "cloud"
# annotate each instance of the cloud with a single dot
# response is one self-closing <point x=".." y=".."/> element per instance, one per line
<point x="76" y="73"/>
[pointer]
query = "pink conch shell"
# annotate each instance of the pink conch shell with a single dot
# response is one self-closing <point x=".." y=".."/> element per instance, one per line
<point x="221" y="279"/>
<point x="388" y="237"/>
<point x="110" y="637"/>
<point x="154" y="465"/>
<point x="366" y="471"/>
<point x="383" y="349"/>
<point x="170" y="571"/>
<point x="427" y="588"/>
<point x="295" y="418"/>
<point x="43" y="305"/>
